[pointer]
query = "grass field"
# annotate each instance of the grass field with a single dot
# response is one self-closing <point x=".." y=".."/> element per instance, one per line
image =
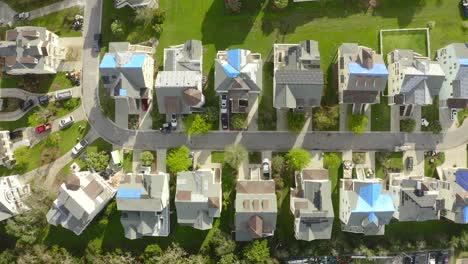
<point x="28" y="5"/>
<point x="381" y="115"/>
<point x="58" y="22"/>
<point x="414" y="40"/>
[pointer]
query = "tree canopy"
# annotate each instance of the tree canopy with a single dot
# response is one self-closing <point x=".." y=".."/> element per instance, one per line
<point x="235" y="154"/>
<point x="357" y="123"/>
<point x="146" y="158"/>
<point x="198" y="125"/>
<point x="178" y="159"/>
<point x="298" y="158"/>
<point x="98" y="160"/>
<point x="257" y="252"/>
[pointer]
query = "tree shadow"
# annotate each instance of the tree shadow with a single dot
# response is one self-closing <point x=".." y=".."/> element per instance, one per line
<point x="222" y="28"/>
<point x="403" y="10"/>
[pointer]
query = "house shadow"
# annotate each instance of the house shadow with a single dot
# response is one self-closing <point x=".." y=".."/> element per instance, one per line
<point x="222" y="28"/>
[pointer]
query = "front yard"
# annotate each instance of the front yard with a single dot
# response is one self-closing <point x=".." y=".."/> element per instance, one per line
<point x="381" y="115"/>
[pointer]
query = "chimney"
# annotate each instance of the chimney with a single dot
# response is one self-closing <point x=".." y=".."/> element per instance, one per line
<point x="366" y="58"/>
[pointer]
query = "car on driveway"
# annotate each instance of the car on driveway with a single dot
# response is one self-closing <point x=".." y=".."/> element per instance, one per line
<point x="66" y="122"/>
<point x="224" y="119"/>
<point x="173" y="120"/>
<point x="464" y="6"/>
<point x="224" y="101"/>
<point x="79" y="147"/>
<point x="26" y="105"/>
<point x="409" y="163"/>
<point x="43" y="99"/>
<point x="21" y="16"/>
<point x="454" y="113"/>
<point x="266" y="169"/>
<point x="43" y="128"/>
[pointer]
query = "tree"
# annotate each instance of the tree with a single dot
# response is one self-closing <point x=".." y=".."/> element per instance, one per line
<point x="298" y="158"/>
<point x="233" y="5"/>
<point x="257" y="252"/>
<point x="211" y="114"/>
<point x="235" y="154"/>
<point x="331" y="160"/>
<point x="98" y="160"/>
<point x="28" y="226"/>
<point x="178" y="159"/>
<point x="144" y="16"/>
<point x="150" y="252"/>
<point x="222" y="244"/>
<point x="146" y="158"/>
<point x="117" y="27"/>
<point x="52" y="140"/>
<point x="229" y="259"/>
<point x="435" y="127"/>
<point x="407" y="125"/>
<point x="174" y="254"/>
<point x="159" y="16"/>
<point x="21" y="155"/>
<point x="277" y="164"/>
<point x="296" y="121"/>
<point x="326" y="118"/>
<point x="239" y="121"/>
<point x="198" y="126"/>
<point x="357" y="123"/>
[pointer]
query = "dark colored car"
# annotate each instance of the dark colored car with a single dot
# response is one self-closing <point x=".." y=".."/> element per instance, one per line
<point x="464" y="6"/>
<point x="409" y="163"/>
<point x="144" y="104"/>
<point x="224" y="121"/>
<point x="26" y="105"/>
<point x="43" y="128"/>
<point x="43" y="99"/>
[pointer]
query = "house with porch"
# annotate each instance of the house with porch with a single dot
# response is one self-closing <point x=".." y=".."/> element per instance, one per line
<point x="311" y="205"/>
<point x="179" y="86"/>
<point x="362" y="76"/>
<point x="127" y="72"/>
<point x="31" y="50"/>
<point x="365" y="206"/>
<point x="453" y="59"/>
<point x="198" y="198"/>
<point x="298" y="80"/>
<point x="143" y="200"/>
<point x="238" y="75"/>
<point x="256" y="209"/>
<point x="12" y="195"/>
<point x="454" y="192"/>
<point x="415" y="198"/>
<point x="81" y="197"/>
<point x="135" y="4"/>
<point x="413" y="80"/>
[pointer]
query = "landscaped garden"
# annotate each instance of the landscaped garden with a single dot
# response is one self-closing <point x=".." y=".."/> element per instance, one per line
<point x="59" y="22"/>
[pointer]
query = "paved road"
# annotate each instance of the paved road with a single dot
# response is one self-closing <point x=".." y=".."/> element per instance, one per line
<point x="253" y="140"/>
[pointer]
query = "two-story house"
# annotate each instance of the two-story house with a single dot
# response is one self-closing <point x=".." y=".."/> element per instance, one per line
<point x="413" y="80"/>
<point x="143" y="200"/>
<point x="311" y="205"/>
<point x="298" y="80"/>
<point x="362" y="75"/>
<point x="454" y="192"/>
<point x="454" y="61"/>
<point x="238" y="75"/>
<point x="12" y="195"/>
<point x="198" y="198"/>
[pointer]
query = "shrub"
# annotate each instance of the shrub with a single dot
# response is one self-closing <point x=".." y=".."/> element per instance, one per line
<point x="296" y="121"/>
<point x="257" y="252"/>
<point x="146" y="158"/>
<point x="435" y="127"/>
<point x="326" y="118"/>
<point x="197" y="125"/>
<point x="407" y="125"/>
<point x="357" y="123"/>
<point x="298" y="158"/>
<point x="235" y="154"/>
<point x="239" y="121"/>
<point x="98" y="160"/>
<point x="117" y="27"/>
<point x="178" y="159"/>
<point x="359" y="157"/>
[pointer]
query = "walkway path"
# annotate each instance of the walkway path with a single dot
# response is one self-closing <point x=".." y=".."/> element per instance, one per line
<point x="55" y="8"/>
<point x="25" y="95"/>
<point x="252" y="140"/>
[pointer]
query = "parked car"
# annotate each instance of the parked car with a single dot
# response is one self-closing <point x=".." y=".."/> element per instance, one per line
<point x="173" y="120"/>
<point x="144" y="104"/>
<point x="63" y="95"/>
<point x="224" y="119"/>
<point x="43" y="99"/>
<point x="97" y="43"/>
<point x="454" y="113"/>
<point x="409" y="163"/>
<point x="21" y="16"/>
<point x="464" y="6"/>
<point x="79" y="147"/>
<point x="66" y="122"/>
<point x="224" y="101"/>
<point x="26" y="105"/>
<point x="166" y="128"/>
<point x="43" y="128"/>
<point x="266" y="169"/>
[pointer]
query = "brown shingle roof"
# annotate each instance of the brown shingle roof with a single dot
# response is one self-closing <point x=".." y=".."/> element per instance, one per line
<point x="315" y="174"/>
<point x="255" y="187"/>
<point x="72" y="182"/>
<point x="11" y="35"/>
<point x="256" y="225"/>
<point x="93" y="189"/>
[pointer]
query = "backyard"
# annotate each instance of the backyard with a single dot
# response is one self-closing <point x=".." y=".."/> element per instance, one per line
<point x="414" y="40"/>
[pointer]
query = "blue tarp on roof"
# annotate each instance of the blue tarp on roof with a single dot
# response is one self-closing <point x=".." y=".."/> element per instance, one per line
<point x="129" y="193"/>
<point x="108" y="61"/>
<point x="137" y="61"/>
<point x="234" y="58"/>
<point x="463" y="61"/>
<point x="465" y="214"/>
<point x="462" y="178"/>
<point x="371" y="200"/>
<point x="230" y="71"/>
<point x="378" y="69"/>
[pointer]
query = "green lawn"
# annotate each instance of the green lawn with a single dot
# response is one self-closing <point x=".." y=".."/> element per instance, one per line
<point x="431" y="113"/>
<point x="430" y="168"/>
<point x="128" y="161"/>
<point x="53" y="83"/>
<point x="28" y="5"/>
<point x="217" y="156"/>
<point x="59" y="22"/>
<point x="380" y="115"/>
<point x="394" y="162"/>
<point x="69" y="137"/>
<point x="462" y="114"/>
<point x="10" y="81"/>
<point x="414" y="40"/>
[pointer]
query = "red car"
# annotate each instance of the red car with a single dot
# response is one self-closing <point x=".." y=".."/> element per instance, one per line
<point x="43" y="128"/>
<point x="144" y="104"/>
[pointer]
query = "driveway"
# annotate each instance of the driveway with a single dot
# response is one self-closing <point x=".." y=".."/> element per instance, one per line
<point x="121" y="113"/>
<point x="282" y="119"/>
<point x="418" y="162"/>
<point x="252" y="113"/>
